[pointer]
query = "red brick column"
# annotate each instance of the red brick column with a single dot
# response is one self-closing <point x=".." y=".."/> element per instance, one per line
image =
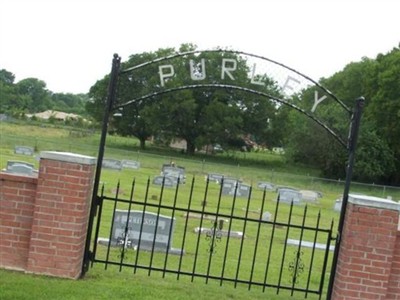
<point x="394" y="281"/>
<point x="17" y="200"/>
<point x="60" y="215"/>
<point x="367" y="249"/>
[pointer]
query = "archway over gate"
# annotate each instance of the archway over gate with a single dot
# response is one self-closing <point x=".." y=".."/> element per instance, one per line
<point x="228" y="70"/>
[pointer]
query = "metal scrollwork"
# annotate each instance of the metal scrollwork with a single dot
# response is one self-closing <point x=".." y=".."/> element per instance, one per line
<point x="214" y="235"/>
<point x="296" y="267"/>
<point x="124" y="244"/>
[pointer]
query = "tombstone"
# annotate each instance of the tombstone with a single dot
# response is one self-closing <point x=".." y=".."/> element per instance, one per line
<point x="109" y="163"/>
<point x="24" y="150"/>
<point x="266" y="216"/>
<point x="148" y="229"/>
<point x="338" y="205"/>
<point x="310" y="196"/>
<point x="130" y="164"/>
<point x="217" y="178"/>
<point x="175" y="172"/>
<point x="20" y="167"/>
<point x="289" y="196"/>
<point x="229" y="188"/>
<point x="266" y="186"/>
<point x="165" y="180"/>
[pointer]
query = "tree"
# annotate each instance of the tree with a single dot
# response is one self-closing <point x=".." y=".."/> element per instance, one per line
<point x="378" y="80"/>
<point x="200" y="116"/>
<point x="39" y="96"/>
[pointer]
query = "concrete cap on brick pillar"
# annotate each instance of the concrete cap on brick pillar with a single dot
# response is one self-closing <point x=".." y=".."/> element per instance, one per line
<point x="68" y="157"/>
<point x="376" y="202"/>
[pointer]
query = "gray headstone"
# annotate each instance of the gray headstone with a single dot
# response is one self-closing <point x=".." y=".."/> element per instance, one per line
<point x="130" y="164"/>
<point x="338" y="205"/>
<point x="174" y="172"/>
<point x="109" y="163"/>
<point x="24" y="150"/>
<point x="152" y="230"/>
<point x="229" y="187"/>
<point x="215" y="177"/>
<point x="266" y="186"/>
<point x="310" y="196"/>
<point x="165" y="180"/>
<point x="289" y="196"/>
<point x="266" y="216"/>
<point x="20" y="167"/>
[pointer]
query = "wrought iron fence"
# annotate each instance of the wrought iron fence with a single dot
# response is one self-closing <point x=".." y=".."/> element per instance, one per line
<point x="224" y="231"/>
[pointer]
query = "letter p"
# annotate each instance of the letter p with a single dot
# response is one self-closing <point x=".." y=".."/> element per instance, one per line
<point x="164" y="74"/>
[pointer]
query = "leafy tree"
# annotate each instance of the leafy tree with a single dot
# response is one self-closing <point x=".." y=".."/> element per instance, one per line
<point x="378" y="80"/>
<point x="39" y="96"/>
<point x="200" y="116"/>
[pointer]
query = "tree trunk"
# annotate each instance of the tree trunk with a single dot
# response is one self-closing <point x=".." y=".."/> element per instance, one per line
<point x="142" y="143"/>
<point x="190" y="148"/>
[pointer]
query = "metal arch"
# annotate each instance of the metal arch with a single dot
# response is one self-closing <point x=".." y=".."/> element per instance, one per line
<point x="233" y="87"/>
<point x="240" y="53"/>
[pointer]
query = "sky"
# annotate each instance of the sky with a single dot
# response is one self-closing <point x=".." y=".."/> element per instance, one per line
<point x="69" y="44"/>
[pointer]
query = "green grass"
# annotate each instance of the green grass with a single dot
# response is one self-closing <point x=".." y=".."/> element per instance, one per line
<point x="112" y="284"/>
<point x="249" y="167"/>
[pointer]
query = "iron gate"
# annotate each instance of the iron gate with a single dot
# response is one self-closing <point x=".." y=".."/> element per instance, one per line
<point x="242" y="235"/>
<point x="274" y="235"/>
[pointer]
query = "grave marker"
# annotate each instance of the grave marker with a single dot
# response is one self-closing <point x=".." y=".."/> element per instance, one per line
<point x="146" y="230"/>
<point x="217" y="178"/>
<point x="229" y="187"/>
<point x="20" y="167"/>
<point x="167" y="181"/>
<point x="24" y="150"/>
<point x="130" y="164"/>
<point x="109" y="163"/>
<point x="266" y="186"/>
<point x="289" y="196"/>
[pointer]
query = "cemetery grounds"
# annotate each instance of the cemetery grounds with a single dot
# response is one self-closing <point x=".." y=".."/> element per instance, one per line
<point x="114" y="283"/>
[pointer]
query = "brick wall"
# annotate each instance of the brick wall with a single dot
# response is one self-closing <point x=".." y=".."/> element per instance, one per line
<point x="368" y="262"/>
<point x="49" y="215"/>
<point x="17" y="198"/>
<point x="394" y="282"/>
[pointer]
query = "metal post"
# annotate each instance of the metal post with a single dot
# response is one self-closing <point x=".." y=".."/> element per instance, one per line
<point x="353" y="136"/>
<point x="111" y="94"/>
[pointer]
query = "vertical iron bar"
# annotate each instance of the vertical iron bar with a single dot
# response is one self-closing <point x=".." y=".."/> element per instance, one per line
<point x="185" y="228"/>
<point x="96" y="235"/>
<point x="156" y="227"/>
<point x="285" y="246"/>
<point x="352" y="144"/>
<point x="141" y="224"/>
<point x="199" y="234"/>
<point x="126" y="231"/>
<point x="244" y="232"/>
<point x="170" y="228"/>
<point x="271" y="242"/>
<point x="112" y="91"/>
<point x="257" y="238"/>
<point x="296" y="265"/>
<point x="321" y="287"/>
<point x="228" y="237"/>
<point x="313" y="252"/>
<point x="214" y="231"/>
<point x="112" y="226"/>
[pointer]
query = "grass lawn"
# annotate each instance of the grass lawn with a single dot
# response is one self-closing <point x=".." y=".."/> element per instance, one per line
<point x="113" y="284"/>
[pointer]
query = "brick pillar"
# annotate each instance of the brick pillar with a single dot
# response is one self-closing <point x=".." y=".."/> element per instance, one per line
<point x="367" y="249"/>
<point x="61" y="214"/>
<point x="17" y="200"/>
